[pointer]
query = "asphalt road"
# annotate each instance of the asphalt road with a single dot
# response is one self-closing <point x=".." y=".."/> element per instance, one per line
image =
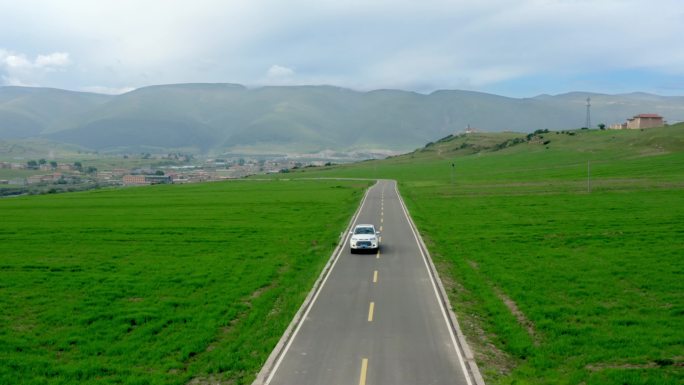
<point x="377" y="318"/>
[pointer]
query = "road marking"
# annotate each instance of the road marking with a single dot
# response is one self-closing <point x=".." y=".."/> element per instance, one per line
<point x="434" y="287"/>
<point x="381" y="218"/>
<point x="379" y="240"/>
<point x="336" y="258"/>
<point x="380" y="227"/>
<point x="375" y="276"/>
<point x="364" y="370"/>
<point x="378" y="255"/>
<point x="370" y="311"/>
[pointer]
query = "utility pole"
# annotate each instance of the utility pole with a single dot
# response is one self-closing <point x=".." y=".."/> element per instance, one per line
<point x="588" y="122"/>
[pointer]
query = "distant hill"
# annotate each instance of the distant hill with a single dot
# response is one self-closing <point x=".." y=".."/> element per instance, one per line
<point x="28" y="112"/>
<point x="229" y="117"/>
<point x="607" y="144"/>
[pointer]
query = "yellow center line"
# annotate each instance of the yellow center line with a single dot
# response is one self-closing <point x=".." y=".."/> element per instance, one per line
<point x="375" y="276"/>
<point x="378" y="255"/>
<point x="370" y="311"/>
<point x="381" y="218"/>
<point x="364" y="369"/>
<point x="381" y="228"/>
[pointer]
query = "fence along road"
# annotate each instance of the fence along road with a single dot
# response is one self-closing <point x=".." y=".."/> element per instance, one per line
<point x="375" y="318"/>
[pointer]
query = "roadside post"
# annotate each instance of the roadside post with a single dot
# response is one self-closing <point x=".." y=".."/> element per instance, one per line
<point x="453" y="166"/>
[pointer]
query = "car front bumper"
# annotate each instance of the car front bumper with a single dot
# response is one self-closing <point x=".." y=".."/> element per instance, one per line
<point x="364" y="245"/>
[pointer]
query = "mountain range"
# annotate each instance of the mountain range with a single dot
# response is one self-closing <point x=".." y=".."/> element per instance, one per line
<point x="220" y="118"/>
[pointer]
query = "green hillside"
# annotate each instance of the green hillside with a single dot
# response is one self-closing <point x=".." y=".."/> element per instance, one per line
<point x="28" y="112"/>
<point x="219" y="118"/>
<point x="499" y="159"/>
<point x="18" y="150"/>
<point x="561" y="252"/>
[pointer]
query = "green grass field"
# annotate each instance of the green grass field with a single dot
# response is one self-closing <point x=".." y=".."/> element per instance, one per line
<point x="562" y="255"/>
<point x="12" y="174"/>
<point x="557" y="278"/>
<point x="161" y="284"/>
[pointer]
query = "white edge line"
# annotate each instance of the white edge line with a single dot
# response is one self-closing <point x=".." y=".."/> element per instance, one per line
<point x="299" y="320"/>
<point x="453" y="322"/>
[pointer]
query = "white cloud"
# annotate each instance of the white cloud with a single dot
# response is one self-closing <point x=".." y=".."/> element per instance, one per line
<point x="19" y="70"/>
<point x="279" y="72"/>
<point x="17" y="62"/>
<point x="56" y="59"/>
<point x="278" y="75"/>
<point x="108" y="90"/>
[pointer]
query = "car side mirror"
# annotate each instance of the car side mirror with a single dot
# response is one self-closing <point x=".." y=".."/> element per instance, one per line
<point x="377" y="233"/>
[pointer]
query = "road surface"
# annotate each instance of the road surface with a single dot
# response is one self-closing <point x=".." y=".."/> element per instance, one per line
<point x="377" y="318"/>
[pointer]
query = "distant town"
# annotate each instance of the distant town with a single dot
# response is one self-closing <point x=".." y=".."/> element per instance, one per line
<point x="56" y="176"/>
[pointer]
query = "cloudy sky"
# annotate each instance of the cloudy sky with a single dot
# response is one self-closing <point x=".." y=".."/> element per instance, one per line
<point x="516" y="48"/>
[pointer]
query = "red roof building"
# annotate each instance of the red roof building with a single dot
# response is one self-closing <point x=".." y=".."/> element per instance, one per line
<point x="645" y="121"/>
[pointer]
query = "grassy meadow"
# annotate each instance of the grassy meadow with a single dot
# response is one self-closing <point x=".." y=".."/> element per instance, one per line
<point x="160" y="284"/>
<point x="563" y="253"/>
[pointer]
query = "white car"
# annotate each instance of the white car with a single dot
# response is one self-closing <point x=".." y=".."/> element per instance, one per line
<point x="364" y="237"/>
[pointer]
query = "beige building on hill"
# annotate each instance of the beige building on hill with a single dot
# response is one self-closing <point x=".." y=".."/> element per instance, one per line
<point x="130" y="180"/>
<point x="133" y="180"/>
<point x="645" y="121"/>
<point x="641" y="121"/>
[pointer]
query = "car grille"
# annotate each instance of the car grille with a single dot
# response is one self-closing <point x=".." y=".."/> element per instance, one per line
<point x="363" y="244"/>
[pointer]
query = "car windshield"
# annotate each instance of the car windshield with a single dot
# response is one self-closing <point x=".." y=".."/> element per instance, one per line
<point x="364" y="230"/>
